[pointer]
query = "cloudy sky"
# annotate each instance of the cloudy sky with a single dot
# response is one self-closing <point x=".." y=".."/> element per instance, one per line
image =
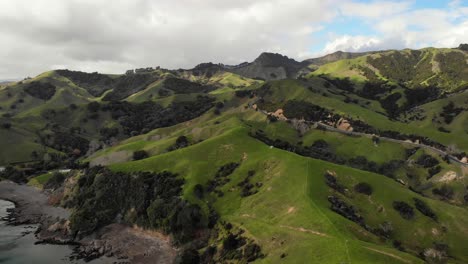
<point x="114" y="35"/>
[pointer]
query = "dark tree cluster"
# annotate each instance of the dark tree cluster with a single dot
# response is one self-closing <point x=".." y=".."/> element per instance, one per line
<point x="344" y="84"/>
<point x="433" y="171"/>
<point x="463" y="47"/>
<point x="141" y="118"/>
<point x="140" y="154"/>
<point x="310" y="112"/>
<point x="151" y="200"/>
<point x="397" y="66"/>
<point x="364" y="188"/>
<point x="41" y="90"/>
<point x="93" y="107"/>
<point x="164" y="92"/>
<point x="321" y="151"/>
<point x="206" y="69"/>
<point x="449" y="112"/>
<point x="348" y="211"/>
<point x="182" y="86"/>
<point x="249" y="188"/>
<point x="221" y="178"/>
<point x="424" y="209"/>
<point x="427" y="161"/>
<point x="245" y="93"/>
<point x="445" y="192"/>
<point x="6" y="125"/>
<point x="360" y="126"/>
<point x="95" y="83"/>
<point x="126" y="85"/>
<point x="387" y="168"/>
<point x="55" y="181"/>
<point x="333" y="183"/>
<point x="420" y="96"/>
<point x="67" y="142"/>
<point x="13" y="174"/>
<point x="236" y="247"/>
<point x="317" y="152"/>
<point x="390" y="104"/>
<point x="422" y="140"/>
<point x="108" y="132"/>
<point x="405" y="210"/>
<point x="181" y="142"/>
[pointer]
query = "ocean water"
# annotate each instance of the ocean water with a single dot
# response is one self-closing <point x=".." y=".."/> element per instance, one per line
<point x="17" y="245"/>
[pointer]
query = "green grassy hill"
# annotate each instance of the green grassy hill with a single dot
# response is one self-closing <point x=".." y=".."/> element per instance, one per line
<point x="443" y="68"/>
<point x="254" y="153"/>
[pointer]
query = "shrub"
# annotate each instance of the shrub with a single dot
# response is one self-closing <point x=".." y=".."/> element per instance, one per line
<point x="363" y="188"/>
<point x="188" y="256"/>
<point x="140" y="154"/>
<point x="332" y="182"/>
<point x="198" y="191"/>
<point x="405" y="210"/>
<point x="93" y="107"/>
<point x="6" y="125"/>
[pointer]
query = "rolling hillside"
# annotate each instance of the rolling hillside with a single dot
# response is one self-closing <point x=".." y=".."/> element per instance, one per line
<point x="348" y="158"/>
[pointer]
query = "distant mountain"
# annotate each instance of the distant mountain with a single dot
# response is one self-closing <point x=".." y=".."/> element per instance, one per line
<point x="446" y="69"/>
<point x="335" y="56"/>
<point x="7" y="81"/>
<point x="269" y="66"/>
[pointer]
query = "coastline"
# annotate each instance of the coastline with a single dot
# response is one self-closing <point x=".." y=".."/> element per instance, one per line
<point x="123" y="244"/>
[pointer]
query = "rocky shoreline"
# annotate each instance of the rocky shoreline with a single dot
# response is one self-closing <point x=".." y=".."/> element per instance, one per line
<point x="120" y="243"/>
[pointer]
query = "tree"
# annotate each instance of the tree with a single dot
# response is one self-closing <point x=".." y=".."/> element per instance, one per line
<point x="405" y="210"/>
<point x="6" y="125"/>
<point x="198" y="191"/>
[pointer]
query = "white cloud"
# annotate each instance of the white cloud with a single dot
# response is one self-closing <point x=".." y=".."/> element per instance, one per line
<point x="404" y="28"/>
<point x="352" y="43"/>
<point x="91" y="35"/>
<point x="114" y="36"/>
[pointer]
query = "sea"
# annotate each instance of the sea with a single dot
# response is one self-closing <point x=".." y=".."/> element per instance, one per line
<point x="17" y="245"/>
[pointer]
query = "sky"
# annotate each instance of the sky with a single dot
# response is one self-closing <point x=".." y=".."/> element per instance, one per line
<point x="113" y="36"/>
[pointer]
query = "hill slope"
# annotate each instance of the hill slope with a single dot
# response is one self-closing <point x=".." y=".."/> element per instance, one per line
<point x="357" y="161"/>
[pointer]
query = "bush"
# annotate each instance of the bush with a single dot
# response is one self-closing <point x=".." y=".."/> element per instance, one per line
<point x="181" y="142"/>
<point x="405" y="210"/>
<point x="55" y="181"/>
<point x="40" y="90"/>
<point x="445" y="191"/>
<point x="363" y="188"/>
<point x="140" y="154"/>
<point x="424" y="208"/>
<point x="427" y="161"/>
